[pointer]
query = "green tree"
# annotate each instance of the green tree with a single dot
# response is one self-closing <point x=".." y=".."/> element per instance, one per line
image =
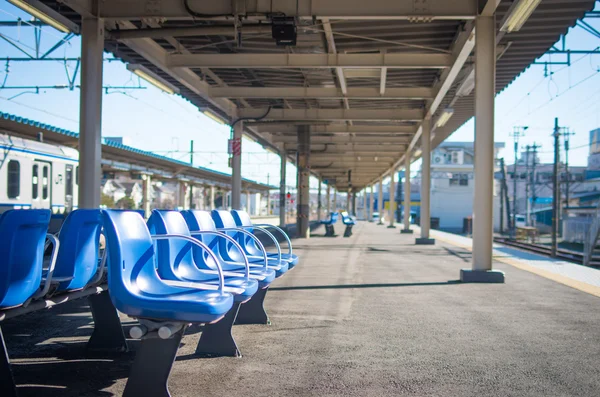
<point x="106" y="201"/>
<point x="126" y="203"/>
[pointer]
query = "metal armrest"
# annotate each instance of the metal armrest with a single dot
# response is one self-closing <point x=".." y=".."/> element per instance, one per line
<point x="261" y="246"/>
<point x="102" y="268"/>
<point x="199" y="244"/>
<point x="48" y="280"/>
<point x="270" y="235"/>
<point x="232" y="241"/>
<point x="281" y="231"/>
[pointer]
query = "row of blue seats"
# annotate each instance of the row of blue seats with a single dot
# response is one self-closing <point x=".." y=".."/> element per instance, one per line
<point x="347" y="220"/>
<point x="176" y="269"/>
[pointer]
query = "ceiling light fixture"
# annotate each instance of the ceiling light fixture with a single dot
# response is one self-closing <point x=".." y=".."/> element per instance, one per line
<point x="33" y="8"/>
<point x="518" y="13"/>
<point x="152" y="78"/>
<point x="444" y="117"/>
<point x="213" y="116"/>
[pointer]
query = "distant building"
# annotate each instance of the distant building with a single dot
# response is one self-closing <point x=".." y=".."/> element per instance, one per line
<point x="452" y="185"/>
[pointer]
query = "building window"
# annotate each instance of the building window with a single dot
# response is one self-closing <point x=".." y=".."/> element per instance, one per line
<point x="45" y="182"/>
<point x="34" y="181"/>
<point x="13" y="186"/>
<point x="69" y="180"/>
<point x="459" y="180"/>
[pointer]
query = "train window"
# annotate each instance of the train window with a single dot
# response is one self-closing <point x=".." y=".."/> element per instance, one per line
<point x="69" y="180"/>
<point x="45" y="182"/>
<point x="34" y="181"/>
<point x="13" y="186"/>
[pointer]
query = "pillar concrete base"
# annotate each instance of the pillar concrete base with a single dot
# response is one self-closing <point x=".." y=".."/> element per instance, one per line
<point x="406" y="231"/>
<point x="391" y="227"/>
<point x="380" y="223"/>
<point x="424" y="241"/>
<point x="481" y="276"/>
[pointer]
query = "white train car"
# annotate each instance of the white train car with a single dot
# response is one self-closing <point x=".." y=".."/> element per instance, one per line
<point x="37" y="175"/>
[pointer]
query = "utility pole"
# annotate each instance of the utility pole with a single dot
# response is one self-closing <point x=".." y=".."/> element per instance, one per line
<point x="555" y="189"/>
<point x="505" y="196"/>
<point x="516" y="134"/>
<point x="566" y="135"/>
<point x="192" y="164"/>
<point x="532" y="175"/>
<point x="502" y="197"/>
<point x="527" y="186"/>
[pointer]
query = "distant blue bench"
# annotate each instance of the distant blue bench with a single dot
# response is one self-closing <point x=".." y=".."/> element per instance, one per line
<point x="349" y="221"/>
<point x="329" y="224"/>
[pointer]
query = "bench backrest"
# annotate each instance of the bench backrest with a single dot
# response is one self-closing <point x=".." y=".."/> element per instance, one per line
<point x="131" y="256"/>
<point x="202" y="221"/>
<point x="79" y="246"/>
<point x="242" y="218"/>
<point x="22" y="237"/>
<point x="224" y="219"/>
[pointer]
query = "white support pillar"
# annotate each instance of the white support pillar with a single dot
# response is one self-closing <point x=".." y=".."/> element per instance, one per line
<point x="268" y="202"/>
<point x="406" y="229"/>
<point x="425" y="184"/>
<point x="335" y="200"/>
<point x="392" y="200"/>
<point x="146" y="193"/>
<point x="257" y="199"/>
<point x="248" y="203"/>
<point x="212" y="198"/>
<point x="90" y="112"/>
<point x="328" y="199"/>
<point x="282" y="191"/>
<point x="236" y="171"/>
<point x="380" y="201"/>
<point x="370" y="211"/>
<point x="483" y="210"/>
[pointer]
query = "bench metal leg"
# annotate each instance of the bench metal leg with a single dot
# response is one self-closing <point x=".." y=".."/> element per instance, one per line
<point x="108" y="333"/>
<point x="348" y="231"/>
<point x="7" y="383"/>
<point x="154" y="359"/>
<point x="216" y="339"/>
<point x="253" y="311"/>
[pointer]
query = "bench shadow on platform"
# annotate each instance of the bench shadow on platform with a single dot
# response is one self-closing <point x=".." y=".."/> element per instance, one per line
<point x="355" y="286"/>
<point x="54" y="361"/>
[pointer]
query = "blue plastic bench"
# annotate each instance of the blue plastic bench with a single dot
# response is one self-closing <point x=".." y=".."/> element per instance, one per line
<point x="177" y="266"/>
<point x="202" y="226"/>
<point x="164" y="311"/>
<point x="242" y="220"/>
<point x="329" y="224"/>
<point x="224" y="222"/>
<point x="349" y="221"/>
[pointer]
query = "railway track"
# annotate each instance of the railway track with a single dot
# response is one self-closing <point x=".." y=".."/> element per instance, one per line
<point x="567" y="255"/>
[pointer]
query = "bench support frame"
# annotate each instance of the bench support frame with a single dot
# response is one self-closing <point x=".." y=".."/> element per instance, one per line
<point x="253" y="311"/>
<point x="217" y="340"/>
<point x="348" y="231"/>
<point x="154" y="359"/>
<point x="108" y="333"/>
<point x="7" y="382"/>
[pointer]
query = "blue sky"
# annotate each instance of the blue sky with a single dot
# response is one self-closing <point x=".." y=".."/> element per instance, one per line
<point x="152" y="120"/>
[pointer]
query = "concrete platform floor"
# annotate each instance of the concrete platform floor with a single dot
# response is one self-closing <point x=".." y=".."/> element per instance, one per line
<point x="369" y="315"/>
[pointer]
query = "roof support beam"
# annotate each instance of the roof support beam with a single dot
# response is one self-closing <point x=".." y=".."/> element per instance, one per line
<point x="334" y="129"/>
<point x="305" y="9"/>
<point x="311" y="61"/>
<point x="334" y="114"/>
<point x="370" y="93"/>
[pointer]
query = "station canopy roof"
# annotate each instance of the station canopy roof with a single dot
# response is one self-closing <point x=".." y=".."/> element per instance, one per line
<point x="362" y="74"/>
